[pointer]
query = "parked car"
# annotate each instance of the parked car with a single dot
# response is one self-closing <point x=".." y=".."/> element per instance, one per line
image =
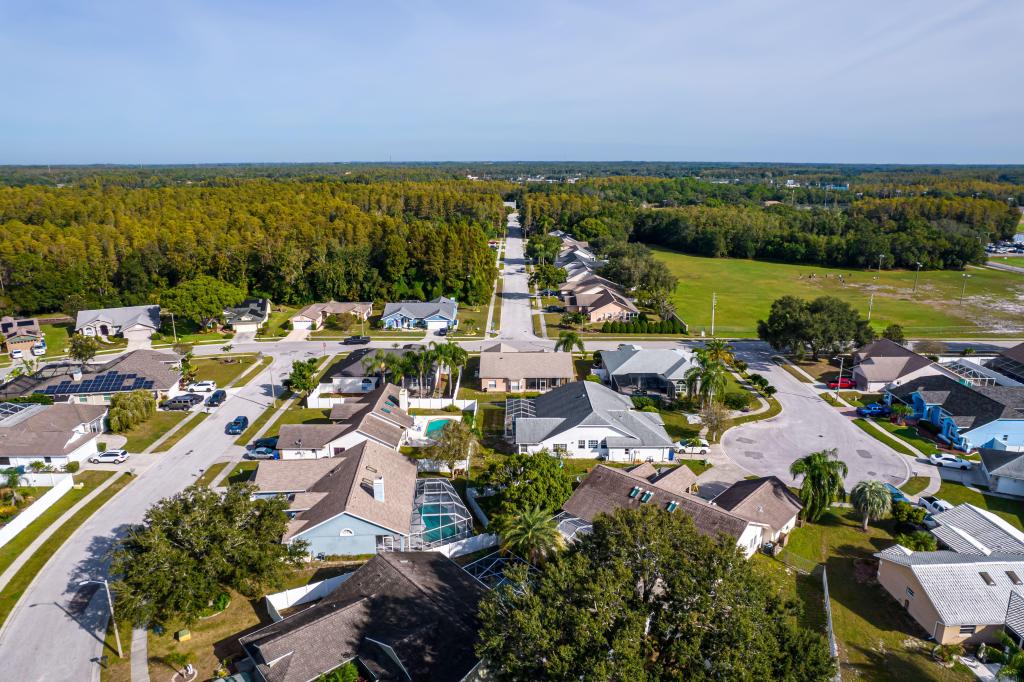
<point x="694" y="446"/>
<point x="845" y="382"/>
<point x="185" y="401"/>
<point x="934" y="505"/>
<point x="554" y="309"/>
<point x="110" y="457"/>
<point x="238" y="425"/>
<point x="217" y="398"/>
<point x="263" y="453"/>
<point x="356" y="341"/>
<point x="207" y="386"/>
<point x="443" y="331"/>
<point x="874" y="410"/>
<point x="17" y="354"/>
<point x="39" y="349"/>
<point x="896" y="493"/>
<point x="951" y="461"/>
<point x="268" y="442"/>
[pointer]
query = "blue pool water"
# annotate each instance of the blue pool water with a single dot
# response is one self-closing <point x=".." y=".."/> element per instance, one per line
<point x="434" y="427"/>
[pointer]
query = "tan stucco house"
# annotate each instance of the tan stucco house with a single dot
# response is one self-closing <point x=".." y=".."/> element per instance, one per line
<point x="503" y="369"/>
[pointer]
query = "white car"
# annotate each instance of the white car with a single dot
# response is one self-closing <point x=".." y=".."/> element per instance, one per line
<point x="934" y="505"/>
<point x="38" y="350"/>
<point x="17" y="354"/>
<point x="951" y="461"/>
<point x="695" y="446"/>
<point x="110" y="457"/>
<point x="202" y="387"/>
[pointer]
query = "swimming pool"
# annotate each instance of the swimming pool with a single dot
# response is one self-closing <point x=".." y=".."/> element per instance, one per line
<point x="434" y="427"/>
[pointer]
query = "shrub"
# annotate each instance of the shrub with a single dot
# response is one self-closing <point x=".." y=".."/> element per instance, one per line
<point x="904" y="512"/>
<point x="606" y="327"/>
<point x="33" y="398"/>
<point x="156" y="337"/>
<point x="72" y="467"/>
<point x="452" y="408"/>
<point x="101" y="446"/>
<point x="128" y="410"/>
<point x="227" y="335"/>
<point x="736" y="400"/>
<point x="919" y="541"/>
<point x="642" y="401"/>
<point x="649" y="408"/>
<point x="642" y="317"/>
<point x="221" y="601"/>
<point x="740" y="366"/>
<point x="593" y="377"/>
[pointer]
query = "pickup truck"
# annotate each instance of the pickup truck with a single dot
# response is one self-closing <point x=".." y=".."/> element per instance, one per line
<point x="874" y="410"/>
<point x="356" y="340"/>
<point x="934" y="505"/>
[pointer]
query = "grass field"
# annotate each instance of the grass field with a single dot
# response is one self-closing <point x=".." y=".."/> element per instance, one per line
<point x="147" y="433"/>
<point x="994" y="302"/>
<point x="956" y="493"/>
<point x="210" y="474"/>
<point x="217" y="369"/>
<point x="893" y="443"/>
<point x="915" y="485"/>
<point x="182" y="432"/>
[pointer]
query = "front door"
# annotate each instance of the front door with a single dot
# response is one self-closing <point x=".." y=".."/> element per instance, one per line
<point x="385" y="543"/>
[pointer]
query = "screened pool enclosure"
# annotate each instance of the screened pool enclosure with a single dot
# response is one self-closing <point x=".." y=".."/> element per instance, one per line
<point x="438" y="515"/>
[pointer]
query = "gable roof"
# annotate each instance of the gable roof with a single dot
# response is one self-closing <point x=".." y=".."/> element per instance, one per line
<point x="377" y="414"/>
<point x="315" y="311"/>
<point x="969" y="530"/>
<point x="587" y="403"/>
<point x="885" y="360"/>
<point x="1006" y="463"/>
<point x="11" y="328"/>
<point x="352" y="364"/>
<point x="603" y="296"/>
<point x="249" y="310"/>
<point x="502" y="364"/>
<point x="954" y="586"/>
<point x="347" y="485"/>
<point x="969" y="406"/>
<point x="669" y="363"/>
<point x="420" y="604"/>
<point x="764" y="500"/>
<point x="141" y="368"/>
<point x="143" y="315"/>
<point x="606" y="489"/>
<point x="419" y="310"/>
<point x="47" y="430"/>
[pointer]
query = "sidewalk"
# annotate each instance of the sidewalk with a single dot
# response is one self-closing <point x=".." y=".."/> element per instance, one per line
<point x="27" y="553"/>
<point x="140" y="655"/>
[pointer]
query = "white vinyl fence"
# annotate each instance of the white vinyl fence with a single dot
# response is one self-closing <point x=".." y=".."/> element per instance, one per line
<point x="61" y="485"/>
<point x="467" y="546"/>
<point x="300" y="595"/>
<point x="441" y="403"/>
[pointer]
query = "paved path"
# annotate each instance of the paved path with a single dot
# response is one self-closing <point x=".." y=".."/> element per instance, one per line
<point x="807" y="423"/>
<point x="516" y="314"/>
<point x="140" y="655"/>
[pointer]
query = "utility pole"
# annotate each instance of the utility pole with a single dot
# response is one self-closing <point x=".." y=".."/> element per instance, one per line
<point x="880" y="257"/>
<point x="917" y="274"/>
<point x="714" y="303"/>
<point x="963" y="288"/>
<point x="110" y="602"/>
<point x="839" y="381"/>
<point x="174" y="329"/>
<point x="871" y="304"/>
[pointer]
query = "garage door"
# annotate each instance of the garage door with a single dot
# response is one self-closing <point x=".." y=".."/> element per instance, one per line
<point x="436" y="324"/>
<point x="302" y="324"/>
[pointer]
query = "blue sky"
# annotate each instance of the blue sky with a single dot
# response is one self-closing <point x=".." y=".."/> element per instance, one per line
<point x="222" y="81"/>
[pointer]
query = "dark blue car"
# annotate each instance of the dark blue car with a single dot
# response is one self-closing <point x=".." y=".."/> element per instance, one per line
<point x="238" y="425"/>
<point x="874" y="410"/>
<point x="897" y="494"/>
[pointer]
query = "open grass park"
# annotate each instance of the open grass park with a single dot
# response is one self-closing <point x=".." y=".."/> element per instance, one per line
<point x="993" y="303"/>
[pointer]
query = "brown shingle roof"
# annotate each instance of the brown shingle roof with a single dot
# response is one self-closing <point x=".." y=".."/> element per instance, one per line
<point x="606" y="489"/>
<point x="46" y="430"/>
<point x="377" y="415"/>
<point x="309" y="436"/>
<point x="526" y="365"/>
<point x="761" y="500"/>
<point x="291" y="475"/>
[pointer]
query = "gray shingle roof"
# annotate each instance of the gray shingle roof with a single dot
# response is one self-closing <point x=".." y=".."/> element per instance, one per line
<point x="47" y="430"/>
<point x="606" y="489"/>
<point x="1003" y="462"/>
<point x="885" y="360"/>
<point x="970" y="407"/>
<point x="586" y="403"/>
<point x="669" y="363"/>
<point x="977" y="531"/>
<point x="442" y="306"/>
<point x="502" y="364"/>
<point x="145" y="315"/>
<point x="160" y="368"/>
<point x="764" y="500"/>
<point x="248" y="311"/>
<point x="955" y="587"/>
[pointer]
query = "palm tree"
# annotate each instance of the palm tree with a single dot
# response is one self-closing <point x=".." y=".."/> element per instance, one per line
<point x="421" y="363"/>
<point x="533" y="534"/>
<point x="457" y="357"/>
<point x="568" y="341"/>
<point x="442" y="353"/>
<point x="719" y="350"/>
<point x="381" y="361"/>
<point x="12" y="480"/>
<point x="901" y="411"/>
<point x="708" y="377"/>
<point x="823" y="474"/>
<point x="401" y="367"/>
<point x="872" y="500"/>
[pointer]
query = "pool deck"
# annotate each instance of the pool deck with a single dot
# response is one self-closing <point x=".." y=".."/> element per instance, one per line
<point x="418" y="433"/>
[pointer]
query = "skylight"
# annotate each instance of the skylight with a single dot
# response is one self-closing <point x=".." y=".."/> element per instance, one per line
<point x="634" y="492"/>
<point x="987" y="578"/>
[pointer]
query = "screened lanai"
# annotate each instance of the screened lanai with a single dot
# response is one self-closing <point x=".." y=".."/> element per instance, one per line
<point x="438" y="515"/>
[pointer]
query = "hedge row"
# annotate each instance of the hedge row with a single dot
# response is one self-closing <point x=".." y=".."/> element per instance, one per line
<point x="644" y="327"/>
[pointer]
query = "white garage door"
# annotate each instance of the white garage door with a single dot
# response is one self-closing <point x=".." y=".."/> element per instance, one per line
<point x="302" y="324"/>
<point x="436" y="324"/>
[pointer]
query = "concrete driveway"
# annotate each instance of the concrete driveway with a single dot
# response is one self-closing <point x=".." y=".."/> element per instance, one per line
<point x="516" y="314"/>
<point x="807" y="424"/>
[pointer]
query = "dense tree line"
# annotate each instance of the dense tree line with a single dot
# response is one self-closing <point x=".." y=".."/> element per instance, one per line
<point x="74" y="248"/>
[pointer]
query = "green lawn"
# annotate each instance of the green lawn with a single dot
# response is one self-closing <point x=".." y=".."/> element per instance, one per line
<point x="774" y="408"/>
<point x="746" y="289"/>
<point x="496" y="315"/>
<point x="23" y="578"/>
<point x="915" y="485"/>
<point x="56" y="336"/>
<point x="147" y="433"/>
<point x="242" y="473"/>
<point x="182" y="432"/>
<point x="1011" y="510"/>
<point x="223" y="370"/>
<point x="910" y="435"/>
<point x="677" y="426"/>
<point x="882" y="438"/>
<point x="697" y="466"/>
<point x="471" y="320"/>
<point x="858" y="399"/>
<point x="210" y="474"/>
<point x="877" y="639"/>
<point x="275" y="324"/>
<point x="299" y="415"/>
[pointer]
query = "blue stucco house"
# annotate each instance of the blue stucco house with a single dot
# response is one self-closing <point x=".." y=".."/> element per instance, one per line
<point x="966" y="417"/>
<point x="440" y="313"/>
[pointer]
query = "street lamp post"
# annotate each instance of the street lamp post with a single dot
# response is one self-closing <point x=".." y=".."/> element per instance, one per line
<point x="174" y="329"/>
<point x="917" y="274"/>
<point x="963" y="288"/>
<point x="110" y="602"/>
<point x="880" y="257"/>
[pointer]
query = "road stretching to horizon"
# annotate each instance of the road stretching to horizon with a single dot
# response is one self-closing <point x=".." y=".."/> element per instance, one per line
<point x="56" y="613"/>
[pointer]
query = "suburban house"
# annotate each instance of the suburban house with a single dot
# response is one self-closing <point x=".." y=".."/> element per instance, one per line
<point x="135" y="323"/>
<point x="605" y="490"/>
<point x="96" y="384"/>
<point x="248" y="316"/>
<point x="631" y="368"/>
<point x="503" y="369"/>
<point x="883" y="363"/>
<point x="766" y="501"/>
<point x="956" y="598"/>
<point x="674" y="479"/>
<point x="441" y="313"/>
<point x="966" y="417"/>
<point x="54" y="434"/>
<point x="351" y="374"/>
<point x="585" y="283"/>
<point x="604" y="304"/>
<point x="966" y="529"/>
<point x="1004" y="470"/>
<point x="358" y="502"/>
<point x="586" y="419"/>
<point x="377" y="417"/>
<point x="313" y="316"/>
<point x="400" y="616"/>
<point x="1009" y="363"/>
<point x="20" y="334"/>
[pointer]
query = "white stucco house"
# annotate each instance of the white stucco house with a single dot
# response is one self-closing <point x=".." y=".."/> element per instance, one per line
<point x="134" y="323"/>
<point x="53" y="434"/>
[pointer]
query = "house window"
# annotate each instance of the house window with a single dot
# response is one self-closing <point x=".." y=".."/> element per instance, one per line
<point x="83" y="399"/>
<point x="581" y="444"/>
<point x="48" y="460"/>
<point x="346" y="533"/>
<point x="560" y="447"/>
<point x="492" y="384"/>
<point x="524" y="448"/>
<point x="5" y="460"/>
<point x="968" y="629"/>
<point x="910" y="592"/>
<point x="604" y="444"/>
<point x="592" y="444"/>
